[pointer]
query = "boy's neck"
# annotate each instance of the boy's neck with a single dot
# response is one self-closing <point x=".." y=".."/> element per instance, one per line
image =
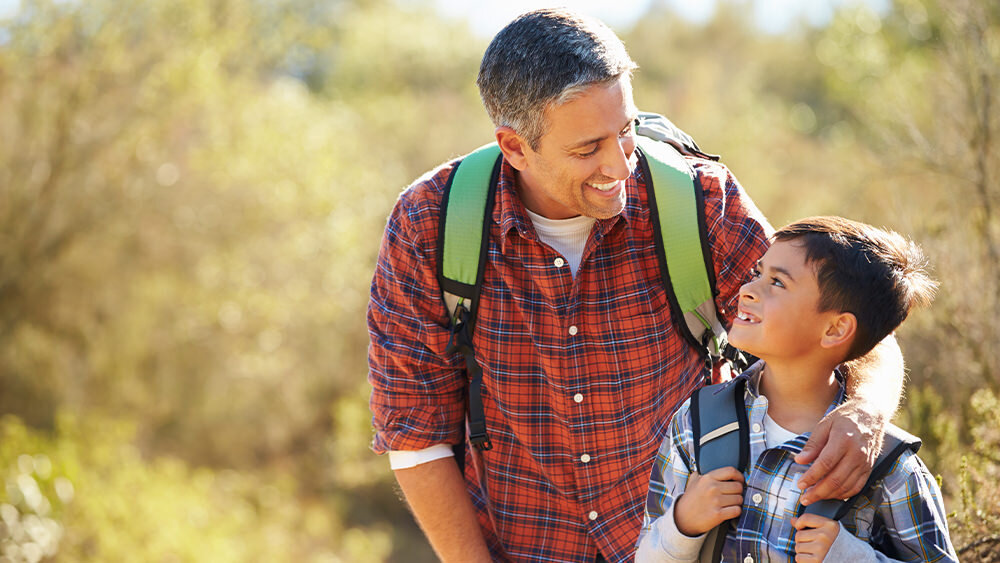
<point x="798" y="392"/>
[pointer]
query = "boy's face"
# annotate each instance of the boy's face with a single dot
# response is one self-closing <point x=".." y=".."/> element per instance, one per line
<point x="778" y="315"/>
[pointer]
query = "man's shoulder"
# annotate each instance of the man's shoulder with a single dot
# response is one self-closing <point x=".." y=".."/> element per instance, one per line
<point x="713" y="175"/>
<point x="418" y="206"/>
<point x="427" y="191"/>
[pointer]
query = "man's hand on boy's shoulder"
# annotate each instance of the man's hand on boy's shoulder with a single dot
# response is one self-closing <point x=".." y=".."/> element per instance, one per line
<point x="842" y="449"/>
<point x="813" y="538"/>
<point x="709" y="500"/>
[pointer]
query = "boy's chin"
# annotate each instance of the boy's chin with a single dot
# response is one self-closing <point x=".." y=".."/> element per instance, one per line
<point x="745" y="347"/>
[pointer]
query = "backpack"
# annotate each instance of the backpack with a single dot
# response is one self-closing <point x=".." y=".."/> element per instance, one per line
<point x="677" y="210"/>
<point x="722" y="439"/>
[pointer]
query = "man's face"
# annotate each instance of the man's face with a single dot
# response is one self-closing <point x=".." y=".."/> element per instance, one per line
<point x="584" y="157"/>
<point x="778" y="315"/>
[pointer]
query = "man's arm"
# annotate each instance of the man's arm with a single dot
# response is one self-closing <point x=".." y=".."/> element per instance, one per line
<point x="845" y="444"/>
<point x="436" y="494"/>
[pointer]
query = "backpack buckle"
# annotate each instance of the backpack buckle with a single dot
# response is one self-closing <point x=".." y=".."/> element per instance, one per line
<point x="459" y="339"/>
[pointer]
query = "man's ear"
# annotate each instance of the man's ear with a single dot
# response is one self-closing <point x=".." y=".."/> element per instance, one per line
<point x="513" y="147"/>
<point x="840" y="330"/>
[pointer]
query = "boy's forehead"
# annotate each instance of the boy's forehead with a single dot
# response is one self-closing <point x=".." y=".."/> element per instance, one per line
<point x="785" y="254"/>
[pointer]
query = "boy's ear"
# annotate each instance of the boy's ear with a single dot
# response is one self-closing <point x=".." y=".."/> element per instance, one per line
<point x="512" y="146"/>
<point x="840" y="331"/>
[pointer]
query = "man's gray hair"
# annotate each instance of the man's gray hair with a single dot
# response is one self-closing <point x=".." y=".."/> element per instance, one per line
<point x="544" y="57"/>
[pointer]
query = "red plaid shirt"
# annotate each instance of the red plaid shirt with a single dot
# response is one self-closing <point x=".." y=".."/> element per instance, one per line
<point x="580" y="376"/>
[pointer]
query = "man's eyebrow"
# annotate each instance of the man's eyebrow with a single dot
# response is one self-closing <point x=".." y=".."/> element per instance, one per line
<point x="599" y="139"/>
<point x="586" y="142"/>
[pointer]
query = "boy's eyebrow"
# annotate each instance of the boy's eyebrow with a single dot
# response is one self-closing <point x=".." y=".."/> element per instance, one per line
<point x="779" y="269"/>
<point x="783" y="271"/>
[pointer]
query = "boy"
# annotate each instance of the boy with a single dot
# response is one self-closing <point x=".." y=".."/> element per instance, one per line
<point x="826" y="291"/>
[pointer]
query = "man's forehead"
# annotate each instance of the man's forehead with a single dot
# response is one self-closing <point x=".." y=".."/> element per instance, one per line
<point x="576" y="125"/>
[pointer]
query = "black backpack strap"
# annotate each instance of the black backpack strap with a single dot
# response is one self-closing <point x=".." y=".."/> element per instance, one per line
<point x="895" y="442"/>
<point x="721" y="434"/>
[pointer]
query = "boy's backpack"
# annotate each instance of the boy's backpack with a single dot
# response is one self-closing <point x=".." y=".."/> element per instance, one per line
<point x="722" y="439"/>
<point x="678" y="214"/>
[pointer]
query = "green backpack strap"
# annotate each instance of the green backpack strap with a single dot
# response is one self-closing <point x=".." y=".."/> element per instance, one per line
<point x="677" y="210"/>
<point x="463" y="242"/>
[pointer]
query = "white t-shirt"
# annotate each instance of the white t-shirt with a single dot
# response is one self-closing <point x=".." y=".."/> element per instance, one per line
<point x="567" y="236"/>
<point x="775" y="434"/>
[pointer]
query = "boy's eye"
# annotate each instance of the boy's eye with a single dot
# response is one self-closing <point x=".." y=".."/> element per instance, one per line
<point x="754" y="274"/>
<point x="777" y="283"/>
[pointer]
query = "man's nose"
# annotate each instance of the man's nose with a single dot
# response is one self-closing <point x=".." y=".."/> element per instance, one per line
<point x="621" y="162"/>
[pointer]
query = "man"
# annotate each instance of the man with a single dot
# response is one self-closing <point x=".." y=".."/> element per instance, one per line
<point x="582" y="363"/>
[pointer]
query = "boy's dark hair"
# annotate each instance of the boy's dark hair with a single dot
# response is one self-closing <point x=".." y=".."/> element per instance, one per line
<point x="877" y="275"/>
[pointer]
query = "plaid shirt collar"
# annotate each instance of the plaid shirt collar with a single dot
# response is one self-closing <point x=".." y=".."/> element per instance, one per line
<point x="756" y="404"/>
<point x="509" y="211"/>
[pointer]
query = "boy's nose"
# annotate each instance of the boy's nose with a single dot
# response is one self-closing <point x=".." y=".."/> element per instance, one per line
<point x="746" y="291"/>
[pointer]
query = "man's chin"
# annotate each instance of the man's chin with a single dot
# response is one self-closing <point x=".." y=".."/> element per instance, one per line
<point x="606" y="209"/>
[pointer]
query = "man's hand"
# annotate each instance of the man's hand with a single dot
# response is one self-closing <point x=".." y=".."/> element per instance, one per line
<point x="709" y="500"/>
<point x="814" y="537"/>
<point x="844" y="446"/>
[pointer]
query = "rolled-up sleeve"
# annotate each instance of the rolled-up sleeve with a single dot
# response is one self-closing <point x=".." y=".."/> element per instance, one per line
<point x="417" y="397"/>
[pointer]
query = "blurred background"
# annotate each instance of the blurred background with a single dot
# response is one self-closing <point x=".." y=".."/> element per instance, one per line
<point x="192" y="194"/>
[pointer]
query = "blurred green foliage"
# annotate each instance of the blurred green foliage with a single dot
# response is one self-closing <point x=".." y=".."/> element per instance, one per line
<point x="192" y="194"/>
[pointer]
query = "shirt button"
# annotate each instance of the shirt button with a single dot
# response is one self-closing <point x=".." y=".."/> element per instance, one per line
<point x="748" y="559"/>
<point x="578" y="397"/>
<point x="756" y="427"/>
<point x="592" y="515"/>
<point x="573" y="330"/>
<point x="585" y="458"/>
<point x="757" y="498"/>
<point x="559" y="262"/>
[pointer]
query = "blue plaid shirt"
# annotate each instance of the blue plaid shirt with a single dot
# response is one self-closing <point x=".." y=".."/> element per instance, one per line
<point x="904" y="515"/>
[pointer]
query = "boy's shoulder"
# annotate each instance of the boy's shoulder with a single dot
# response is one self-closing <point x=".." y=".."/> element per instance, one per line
<point x="908" y="475"/>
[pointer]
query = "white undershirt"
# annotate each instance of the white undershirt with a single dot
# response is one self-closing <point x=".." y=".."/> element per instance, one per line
<point x="569" y="238"/>
<point x="775" y="434"/>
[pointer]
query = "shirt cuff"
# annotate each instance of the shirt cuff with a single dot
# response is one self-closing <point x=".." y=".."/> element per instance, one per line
<point x="408" y="459"/>
<point x="847" y="547"/>
<point x="665" y="542"/>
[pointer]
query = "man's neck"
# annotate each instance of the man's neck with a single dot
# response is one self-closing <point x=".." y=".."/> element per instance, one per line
<point x="798" y="392"/>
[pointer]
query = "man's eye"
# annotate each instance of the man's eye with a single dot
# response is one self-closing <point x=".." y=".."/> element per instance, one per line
<point x="587" y="154"/>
